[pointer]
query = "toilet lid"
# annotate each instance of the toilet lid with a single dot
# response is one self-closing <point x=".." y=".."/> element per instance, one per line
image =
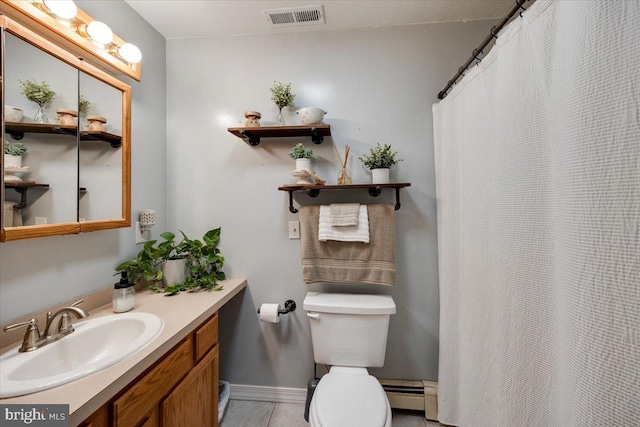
<point x="350" y="400"/>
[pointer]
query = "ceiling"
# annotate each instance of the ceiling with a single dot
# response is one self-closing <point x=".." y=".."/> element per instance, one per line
<point x="202" y="18"/>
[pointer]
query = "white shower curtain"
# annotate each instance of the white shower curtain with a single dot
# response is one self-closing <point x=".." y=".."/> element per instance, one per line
<point x="538" y="183"/>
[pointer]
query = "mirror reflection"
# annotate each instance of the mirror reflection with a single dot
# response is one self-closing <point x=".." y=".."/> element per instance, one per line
<point x="40" y="185"/>
<point x="69" y="125"/>
<point x="100" y="160"/>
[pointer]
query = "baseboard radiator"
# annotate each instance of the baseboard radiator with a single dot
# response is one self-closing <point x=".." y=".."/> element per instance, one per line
<point x="414" y="395"/>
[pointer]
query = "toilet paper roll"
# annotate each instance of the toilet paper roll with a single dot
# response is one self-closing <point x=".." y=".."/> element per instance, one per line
<point x="269" y="313"/>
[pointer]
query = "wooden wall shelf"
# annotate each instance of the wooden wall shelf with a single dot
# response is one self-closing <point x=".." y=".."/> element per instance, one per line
<point x="22" y="187"/>
<point x="314" y="190"/>
<point x="253" y="134"/>
<point x="17" y="131"/>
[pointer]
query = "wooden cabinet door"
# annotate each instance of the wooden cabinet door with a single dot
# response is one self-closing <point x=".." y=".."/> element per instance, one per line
<point x="153" y="418"/>
<point x="194" y="402"/>
<point x="134" y="405"/>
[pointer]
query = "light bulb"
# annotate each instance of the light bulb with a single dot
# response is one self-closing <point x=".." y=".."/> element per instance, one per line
<point x="99" y="32"/>
<point x="65" y="9"/>
<point x="130" y="53"/>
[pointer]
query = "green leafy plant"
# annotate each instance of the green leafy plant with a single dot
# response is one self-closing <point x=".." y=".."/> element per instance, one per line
<point x="83" y="105"/>
<point x="204" y="262"/>
<point x="299" y="152"/>
<point x="40" y="93"/>
<point x="281" y="94"/>
<point x="379" y="157"/>
<point x="14" y="148"/>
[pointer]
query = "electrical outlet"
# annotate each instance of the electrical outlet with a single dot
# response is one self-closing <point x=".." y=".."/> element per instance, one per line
<point x="41" y="220"/>
<point x="141" y="236"/>
<point x="294" y="229"/>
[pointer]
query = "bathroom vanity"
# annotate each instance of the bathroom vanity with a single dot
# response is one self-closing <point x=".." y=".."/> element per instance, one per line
<point x="172" y="381"/>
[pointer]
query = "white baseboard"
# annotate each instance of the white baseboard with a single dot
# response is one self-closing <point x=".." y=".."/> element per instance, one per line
<point x="268" y="394"/>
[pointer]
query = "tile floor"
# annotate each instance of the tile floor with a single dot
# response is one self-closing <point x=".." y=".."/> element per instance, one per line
<point x="242" y="413"/>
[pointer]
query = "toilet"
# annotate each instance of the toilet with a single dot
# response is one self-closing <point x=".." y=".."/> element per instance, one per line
<point x="349" y="333"/>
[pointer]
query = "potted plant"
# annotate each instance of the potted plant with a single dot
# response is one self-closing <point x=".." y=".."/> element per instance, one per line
<point x="302" y="156"/>
<point x="13" y="152"/>
<point x="199" y="263"/>
<point x="282" y="96"/>
<point x="41" y="94"/>
<point x="379" y="160"/>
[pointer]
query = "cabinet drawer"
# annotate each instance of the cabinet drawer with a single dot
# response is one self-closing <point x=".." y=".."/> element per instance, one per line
<point x="133" y="406"/>
<point x="206" y="336"/>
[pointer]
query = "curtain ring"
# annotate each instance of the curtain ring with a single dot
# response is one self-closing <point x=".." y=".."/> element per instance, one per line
<point x="461" y="71"/>
<point x="492" y="33"/>
<point x="520" y="6"/>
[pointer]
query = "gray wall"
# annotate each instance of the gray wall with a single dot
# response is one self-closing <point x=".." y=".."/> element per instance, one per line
<point x="377" y="86"/>
<point x="39" y="273"/>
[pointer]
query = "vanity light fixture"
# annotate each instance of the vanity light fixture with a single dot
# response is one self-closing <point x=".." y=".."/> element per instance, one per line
<point x="97" y="31"/>
<point x="75" y="29"/>
<point x="129" y="52"/>
<point x="65" y="9"/>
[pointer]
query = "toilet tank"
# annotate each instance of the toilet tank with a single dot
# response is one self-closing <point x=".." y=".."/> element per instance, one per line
<point x="349" y="329"/>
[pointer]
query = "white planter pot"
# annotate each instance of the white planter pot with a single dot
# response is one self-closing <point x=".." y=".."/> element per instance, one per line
<point x="380" y="176"/>
<point x="303" y="164"/>
<point x="13" y="161"/>
<point x="174" y="271"/>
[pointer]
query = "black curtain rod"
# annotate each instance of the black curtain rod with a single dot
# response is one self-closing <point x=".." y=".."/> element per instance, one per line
<point x="474" y="55"/>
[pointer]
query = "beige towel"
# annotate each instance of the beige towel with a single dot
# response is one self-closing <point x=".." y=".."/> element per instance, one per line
<point x="344" y="214"/>
<point x="350" y="262"/>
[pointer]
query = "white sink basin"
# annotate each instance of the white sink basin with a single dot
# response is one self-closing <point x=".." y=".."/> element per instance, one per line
<point x="95" y="344"/>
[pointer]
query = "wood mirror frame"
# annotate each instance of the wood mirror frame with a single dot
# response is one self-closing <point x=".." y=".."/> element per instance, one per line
<point x="50" y="47"/>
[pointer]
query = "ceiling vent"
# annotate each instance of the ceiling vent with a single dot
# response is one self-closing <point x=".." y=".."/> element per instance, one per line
<point x="307" y="15"/>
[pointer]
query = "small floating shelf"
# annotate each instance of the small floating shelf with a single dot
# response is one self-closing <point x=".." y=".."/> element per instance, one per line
<point x="253" y="134"/>
<point x="314" y="190"/>
<point x="22" y="187"/>
<point x="92" y="135"/>
<point x="17" y="131"/>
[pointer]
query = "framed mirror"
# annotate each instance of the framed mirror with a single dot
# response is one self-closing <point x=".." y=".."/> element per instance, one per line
<point x="75" y="173"/>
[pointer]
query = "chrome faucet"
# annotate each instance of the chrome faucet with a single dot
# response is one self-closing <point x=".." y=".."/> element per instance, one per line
<point x="52" y="332"/>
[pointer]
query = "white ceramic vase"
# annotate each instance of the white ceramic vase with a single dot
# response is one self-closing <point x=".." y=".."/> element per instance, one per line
<point x="303" y="164"/>
<point x="174" y="271"/>
<point x="13" y="161"/>
<point x="380" y="176"/>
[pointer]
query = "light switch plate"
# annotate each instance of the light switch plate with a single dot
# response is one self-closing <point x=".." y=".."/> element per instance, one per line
<point x="294" y="229"/>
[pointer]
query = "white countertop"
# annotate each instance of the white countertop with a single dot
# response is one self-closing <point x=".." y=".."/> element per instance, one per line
<point x="181" y="315"/>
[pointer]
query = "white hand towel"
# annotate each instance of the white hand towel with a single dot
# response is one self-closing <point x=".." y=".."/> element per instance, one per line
<point x="353" y="233"/>
<point x="344" y="214"/>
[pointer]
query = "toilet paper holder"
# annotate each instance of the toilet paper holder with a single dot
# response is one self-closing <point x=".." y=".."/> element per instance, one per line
<point x="289" y="306"/>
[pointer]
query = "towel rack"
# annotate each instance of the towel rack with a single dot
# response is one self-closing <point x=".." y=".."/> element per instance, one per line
<point x="314" y="190"/>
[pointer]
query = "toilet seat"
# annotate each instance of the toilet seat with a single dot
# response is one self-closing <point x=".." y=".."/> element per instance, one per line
<point x="348" y="397"/>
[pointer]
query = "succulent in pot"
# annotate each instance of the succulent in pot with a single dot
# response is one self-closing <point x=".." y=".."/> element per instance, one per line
<point x="379" y="160"/>
<point x="13" y="152"/>
<point x="302" y="156"/>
